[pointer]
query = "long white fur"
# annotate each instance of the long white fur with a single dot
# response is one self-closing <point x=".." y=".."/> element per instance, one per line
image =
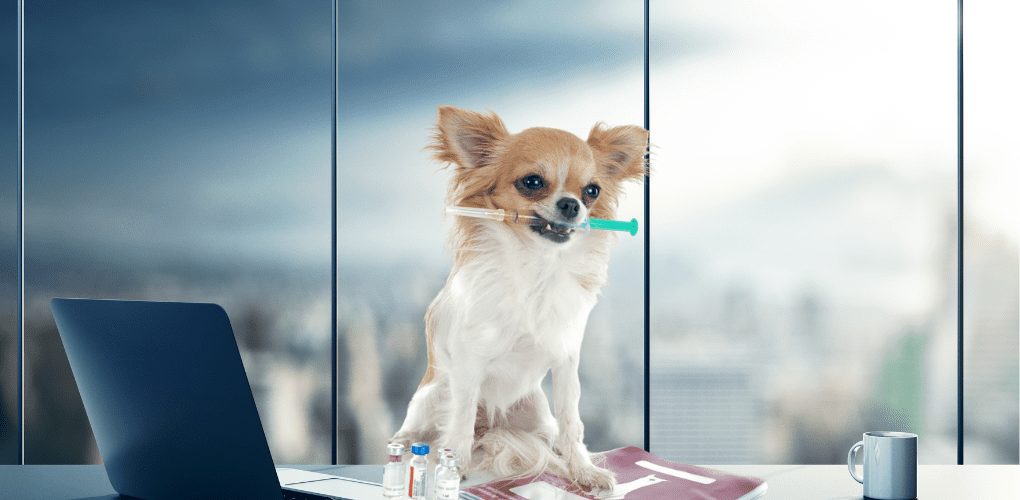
<point x="505" y="318"/>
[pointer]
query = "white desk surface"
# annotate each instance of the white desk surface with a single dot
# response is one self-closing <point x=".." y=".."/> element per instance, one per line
<point x="833" y="482"/>
<point x="786" y="482"/>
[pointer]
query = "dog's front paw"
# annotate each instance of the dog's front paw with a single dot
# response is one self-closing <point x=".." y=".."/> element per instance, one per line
<point x="592" y="477"/>
<point x="462" y="448"/>
<point x="403" y="438"/>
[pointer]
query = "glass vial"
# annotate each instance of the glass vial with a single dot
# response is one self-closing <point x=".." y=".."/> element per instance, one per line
<point x="394" y="482"/>
<point x="447" y="478"/>
<point x="418" y="472"/>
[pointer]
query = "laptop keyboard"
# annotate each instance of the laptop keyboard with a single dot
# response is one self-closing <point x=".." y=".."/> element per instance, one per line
<point x="300" y="495"/>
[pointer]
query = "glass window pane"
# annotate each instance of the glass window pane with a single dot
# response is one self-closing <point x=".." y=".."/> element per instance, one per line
<point x="803" y="258"/>
<point x="992" y="184"/>
<point x="9" y="434"/>
<point x="181" y="151"/>
<point x="558" y="64"/>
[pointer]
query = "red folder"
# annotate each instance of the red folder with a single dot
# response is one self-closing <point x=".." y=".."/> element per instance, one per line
<point x="639" y="475"/>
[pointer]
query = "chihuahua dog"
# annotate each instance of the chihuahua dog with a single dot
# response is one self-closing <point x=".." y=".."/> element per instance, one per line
<point x="517" y="299"/>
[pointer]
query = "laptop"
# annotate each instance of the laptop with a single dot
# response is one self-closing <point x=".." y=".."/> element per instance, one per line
<point x="170" y="405"/>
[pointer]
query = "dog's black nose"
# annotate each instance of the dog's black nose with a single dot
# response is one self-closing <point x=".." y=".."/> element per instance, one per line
<point x="568" y="207"/>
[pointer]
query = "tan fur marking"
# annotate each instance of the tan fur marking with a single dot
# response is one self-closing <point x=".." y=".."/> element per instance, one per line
<point x="430" y="370"/>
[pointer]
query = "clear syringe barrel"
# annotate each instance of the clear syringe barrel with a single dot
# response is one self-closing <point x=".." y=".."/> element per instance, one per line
<point x="496" y="214"/>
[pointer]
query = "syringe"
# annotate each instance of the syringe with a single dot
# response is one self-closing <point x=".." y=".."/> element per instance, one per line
<point x="515" y="217"/>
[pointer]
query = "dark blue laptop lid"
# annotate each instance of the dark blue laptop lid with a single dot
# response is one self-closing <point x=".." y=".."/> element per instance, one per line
<point x="168" y="399"/>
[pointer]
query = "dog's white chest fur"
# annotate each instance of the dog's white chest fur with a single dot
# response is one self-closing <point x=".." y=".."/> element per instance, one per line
<point x="517" y="311"/>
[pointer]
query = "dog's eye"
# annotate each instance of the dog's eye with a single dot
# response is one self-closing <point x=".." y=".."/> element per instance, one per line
<point x="592" y="191"/>
<point x="532" y="182"/>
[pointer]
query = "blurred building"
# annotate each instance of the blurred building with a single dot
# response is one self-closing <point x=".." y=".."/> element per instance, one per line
<point x="707" y="414"/>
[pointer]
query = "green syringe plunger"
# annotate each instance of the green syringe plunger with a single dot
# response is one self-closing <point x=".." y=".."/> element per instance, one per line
<point x="614" y="225"/>
<point x="513" y="216"/>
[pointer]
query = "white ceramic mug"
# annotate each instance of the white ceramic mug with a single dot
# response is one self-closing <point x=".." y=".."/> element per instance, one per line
<point x="890" y="465"/>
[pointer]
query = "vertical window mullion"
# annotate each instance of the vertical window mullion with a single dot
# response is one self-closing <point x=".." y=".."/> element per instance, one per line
<point x="959" y="233"/>
<point x="647" y="210"/>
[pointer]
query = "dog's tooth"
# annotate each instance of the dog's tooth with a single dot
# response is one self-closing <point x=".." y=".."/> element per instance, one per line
<point x="548" y="227"/>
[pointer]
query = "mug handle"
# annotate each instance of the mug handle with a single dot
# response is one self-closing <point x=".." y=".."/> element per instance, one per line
<point x="851" y="459"/>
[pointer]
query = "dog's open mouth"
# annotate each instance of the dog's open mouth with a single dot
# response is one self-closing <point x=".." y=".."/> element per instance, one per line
<point x="552" y="231"/>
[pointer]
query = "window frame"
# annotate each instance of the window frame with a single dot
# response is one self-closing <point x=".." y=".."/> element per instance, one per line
<point x="21" y="255"/>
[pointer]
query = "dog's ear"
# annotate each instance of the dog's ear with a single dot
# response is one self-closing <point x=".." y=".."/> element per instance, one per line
<point x="466" y="138"/>
<point x="619" y="151"/>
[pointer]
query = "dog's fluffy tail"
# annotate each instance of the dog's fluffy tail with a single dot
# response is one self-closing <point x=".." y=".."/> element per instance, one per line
<point x="515" y="453"/>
